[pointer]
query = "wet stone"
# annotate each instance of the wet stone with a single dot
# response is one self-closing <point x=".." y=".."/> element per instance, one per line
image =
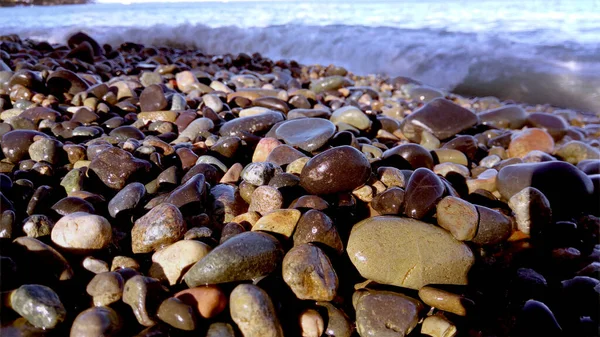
<point x="493" y="228"/>
<point x="144" y="295"/>
<point x="39" y="305"/>
<point x="555" y="125"/>
<point x="177" y="314"/>
<point x="316" y="227"/>
<point x="508" y="116"/>
<point x="307" y="134"/>
<point x="281" y="221"/>
<point x="286" y="155"/>
<point x="152" y="98"/>
<point x="389" y="202"/>
<point x="259" y="173"/>
<point x="127" y="199"/>
<point x="161" y="226"/>
<point x="16" y="143"/>
<point x="352" y="116"/>
<point x="115" y="167"/>
<point x="444" y="300"/>
<point x="245" y="256"/>
<point x="440" y="117"/>
<point x="576" y="151"/>
<point x="336" y="170"/>
<point x="423" y="191"/>
<point x="528" y="140"/>
<point x="70" y="205"/>
<point x="191" y="193"/>
<point x="170" y="262"/>
<point x="338" y="324"/>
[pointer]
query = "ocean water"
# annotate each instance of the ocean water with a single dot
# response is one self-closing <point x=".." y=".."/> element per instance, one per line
<point x="527" y="50"/>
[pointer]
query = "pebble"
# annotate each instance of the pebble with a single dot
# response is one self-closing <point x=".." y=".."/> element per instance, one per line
<point x="245" y="256"/>
<point x="493" y="228"/>
<point x="458" y="216"/>
<point x="528" y="140"/>
<point x="379" y="242"/>
<point x="506" y="117"/>
<point x="265" y="199"/>
<point x="311" y="323"/>
<point x="208" y="301"/>
<point x="38" y="304"/>
<point x="338" y="323"/>
<point x="127" y="199"/>
<point x="264" y="148"/>
<point x="576" y="151"/>
<point x="315" y="226"/>
<point x="423" y="191"/>
<point x="116" y="167"/>
<point x="385" y="313"/>
<point x="259" y="173"/>
<point x="177" y="314"/>
<point x="409" y="156"/>
<point x="531" y="209"/>
<point x="82" y="232"/>
<point x="352" y="116"/>
<point x="144" y="295"/>
<point x="106" y="288"/>
<point x="336" y="170"/>
<point x="309" y="273"/>
<point x="445" y="300"/>
<point x="161" y="226"/>
<point x="252" y="310"/>
<point x="438" y="326"/>
<point x="281" y="221"/>
<point x="97" y="321"/>
<point x="308" y="134"/>
<point x="170" y="262"/>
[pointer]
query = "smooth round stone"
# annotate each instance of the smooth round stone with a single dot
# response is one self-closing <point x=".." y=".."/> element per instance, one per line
<point x="555" y="125"/>
<point x="532" y="210"/>
<point x="287" y="155"/>
<point x="171" y="261"/>
<point x="126" y="132"/>
<point x="457" y="216"/>
<point x="444" y="300"/>
<point x="264" y="147"/>
<point x="46" y="149"/>
<point x="389" y="202"/>
<point x="259" y="173"/>
<point x="576" y="151"/>
<point x="16" y="143"/>
<point x="39" y="305"/>
<point x="445" y="169"/>
<point x="37" y="225"/>
<point x="465" y="144"/>
<point x="252" y="310"/>
<point x="208" y="301"/>
<point x="567" y="194"/>
<point x="115" y="167"/>
<point x="94" y="265"/>
<point x="152" y="98"/>
<point x="144" y="295"/>
<point x="265" y="199"/>
<point x="340" y="169"/>
<point x="440" y="117"/>
<point x="161" y="226"/>
<point x="213" y="102"/>
<point x="195" y="128"/>
<point x="316" y="227"/>
<point x="309" y="273"/>
<point x="96" y="321"/>
<point x="227" y="146"/>
<point x="281" y="221"/>
<point x="351" y="115"/>
<point x="329" y="83"/>
<point x="177" y="314"/>
<point x="385" y="313"/>
<point x="311" y="323"/>
<point x="493" y="228"/>
<point x="245" y="256"/>
<point x="415" y="155"/>
<point x="253" y="125"/>
<point x="85" y="116"/>
<point x="589" y="166"/>
<point x="106" y="288"/>
<point x="82" y="232"/>
<point x="220" y="330"/>
<point x="49" y="262"/>
<point x="308" y="134"/>
<point x="422" y="93"/>
<point x="70" y="205"/>
<point x="392" y="177"/>
<point x="450" y="156"/>
<point x="408" y="253"/>
<point x="506" y="117"/>
<point x="338" y="324"/>
<point x="127" y="199"/>
<point x="438" y="326"/>
<point x="528" y="140"/>
<point x="423" y="191"/>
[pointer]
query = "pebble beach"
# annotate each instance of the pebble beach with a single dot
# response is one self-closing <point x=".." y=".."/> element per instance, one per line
<point x="154" y="191"/>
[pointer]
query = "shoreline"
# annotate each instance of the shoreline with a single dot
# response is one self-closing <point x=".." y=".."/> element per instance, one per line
<point x="152" y="190"/>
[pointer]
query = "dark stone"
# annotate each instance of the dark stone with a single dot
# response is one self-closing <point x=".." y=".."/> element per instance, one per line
<point x="415" y="155"/>
<point x="15" y="144"/>
<point x="536" y="319"/>
<point x="389" y="202"/>
<point x="315" y="226"/>
<point x="336" y="170"/>
<point x="423" y="191"/>
<point x="153" y="98"/>
<point x="245" y="127"/>
<point x="308" y="134"/>
<point x="70" y="205"/>
<point x="506" y="117"/>
<point x="125" y="132"/>
<point x="61" y="81"/>
<point x="190" y="194"/>
<point x="127" y="199"/>
<point x="555" y="125"/>
<point x="115" y="167"/>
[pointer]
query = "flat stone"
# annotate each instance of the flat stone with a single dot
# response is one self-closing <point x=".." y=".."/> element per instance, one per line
<point x="309" y="273"/>
<point x="82" y="232"/>
<point x="287" y="155"/>
<point x="253" y="312"/>
<point x="340" y="169"/>
<point x="281" y="221"/>
<point x="329" y="83"/>
<point x="385" y="313"/>
<point x="251" y="125"/>
<point x="308" y="134"/>
<point x="423" y="191"/>
<point x="440" y="117"/>
<point x="408" y="253"/>
<point x="245" y="256"/>
<point x="555" y="125"/>
<point x="39" y="305"/>
<point x="161" y="226"/>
